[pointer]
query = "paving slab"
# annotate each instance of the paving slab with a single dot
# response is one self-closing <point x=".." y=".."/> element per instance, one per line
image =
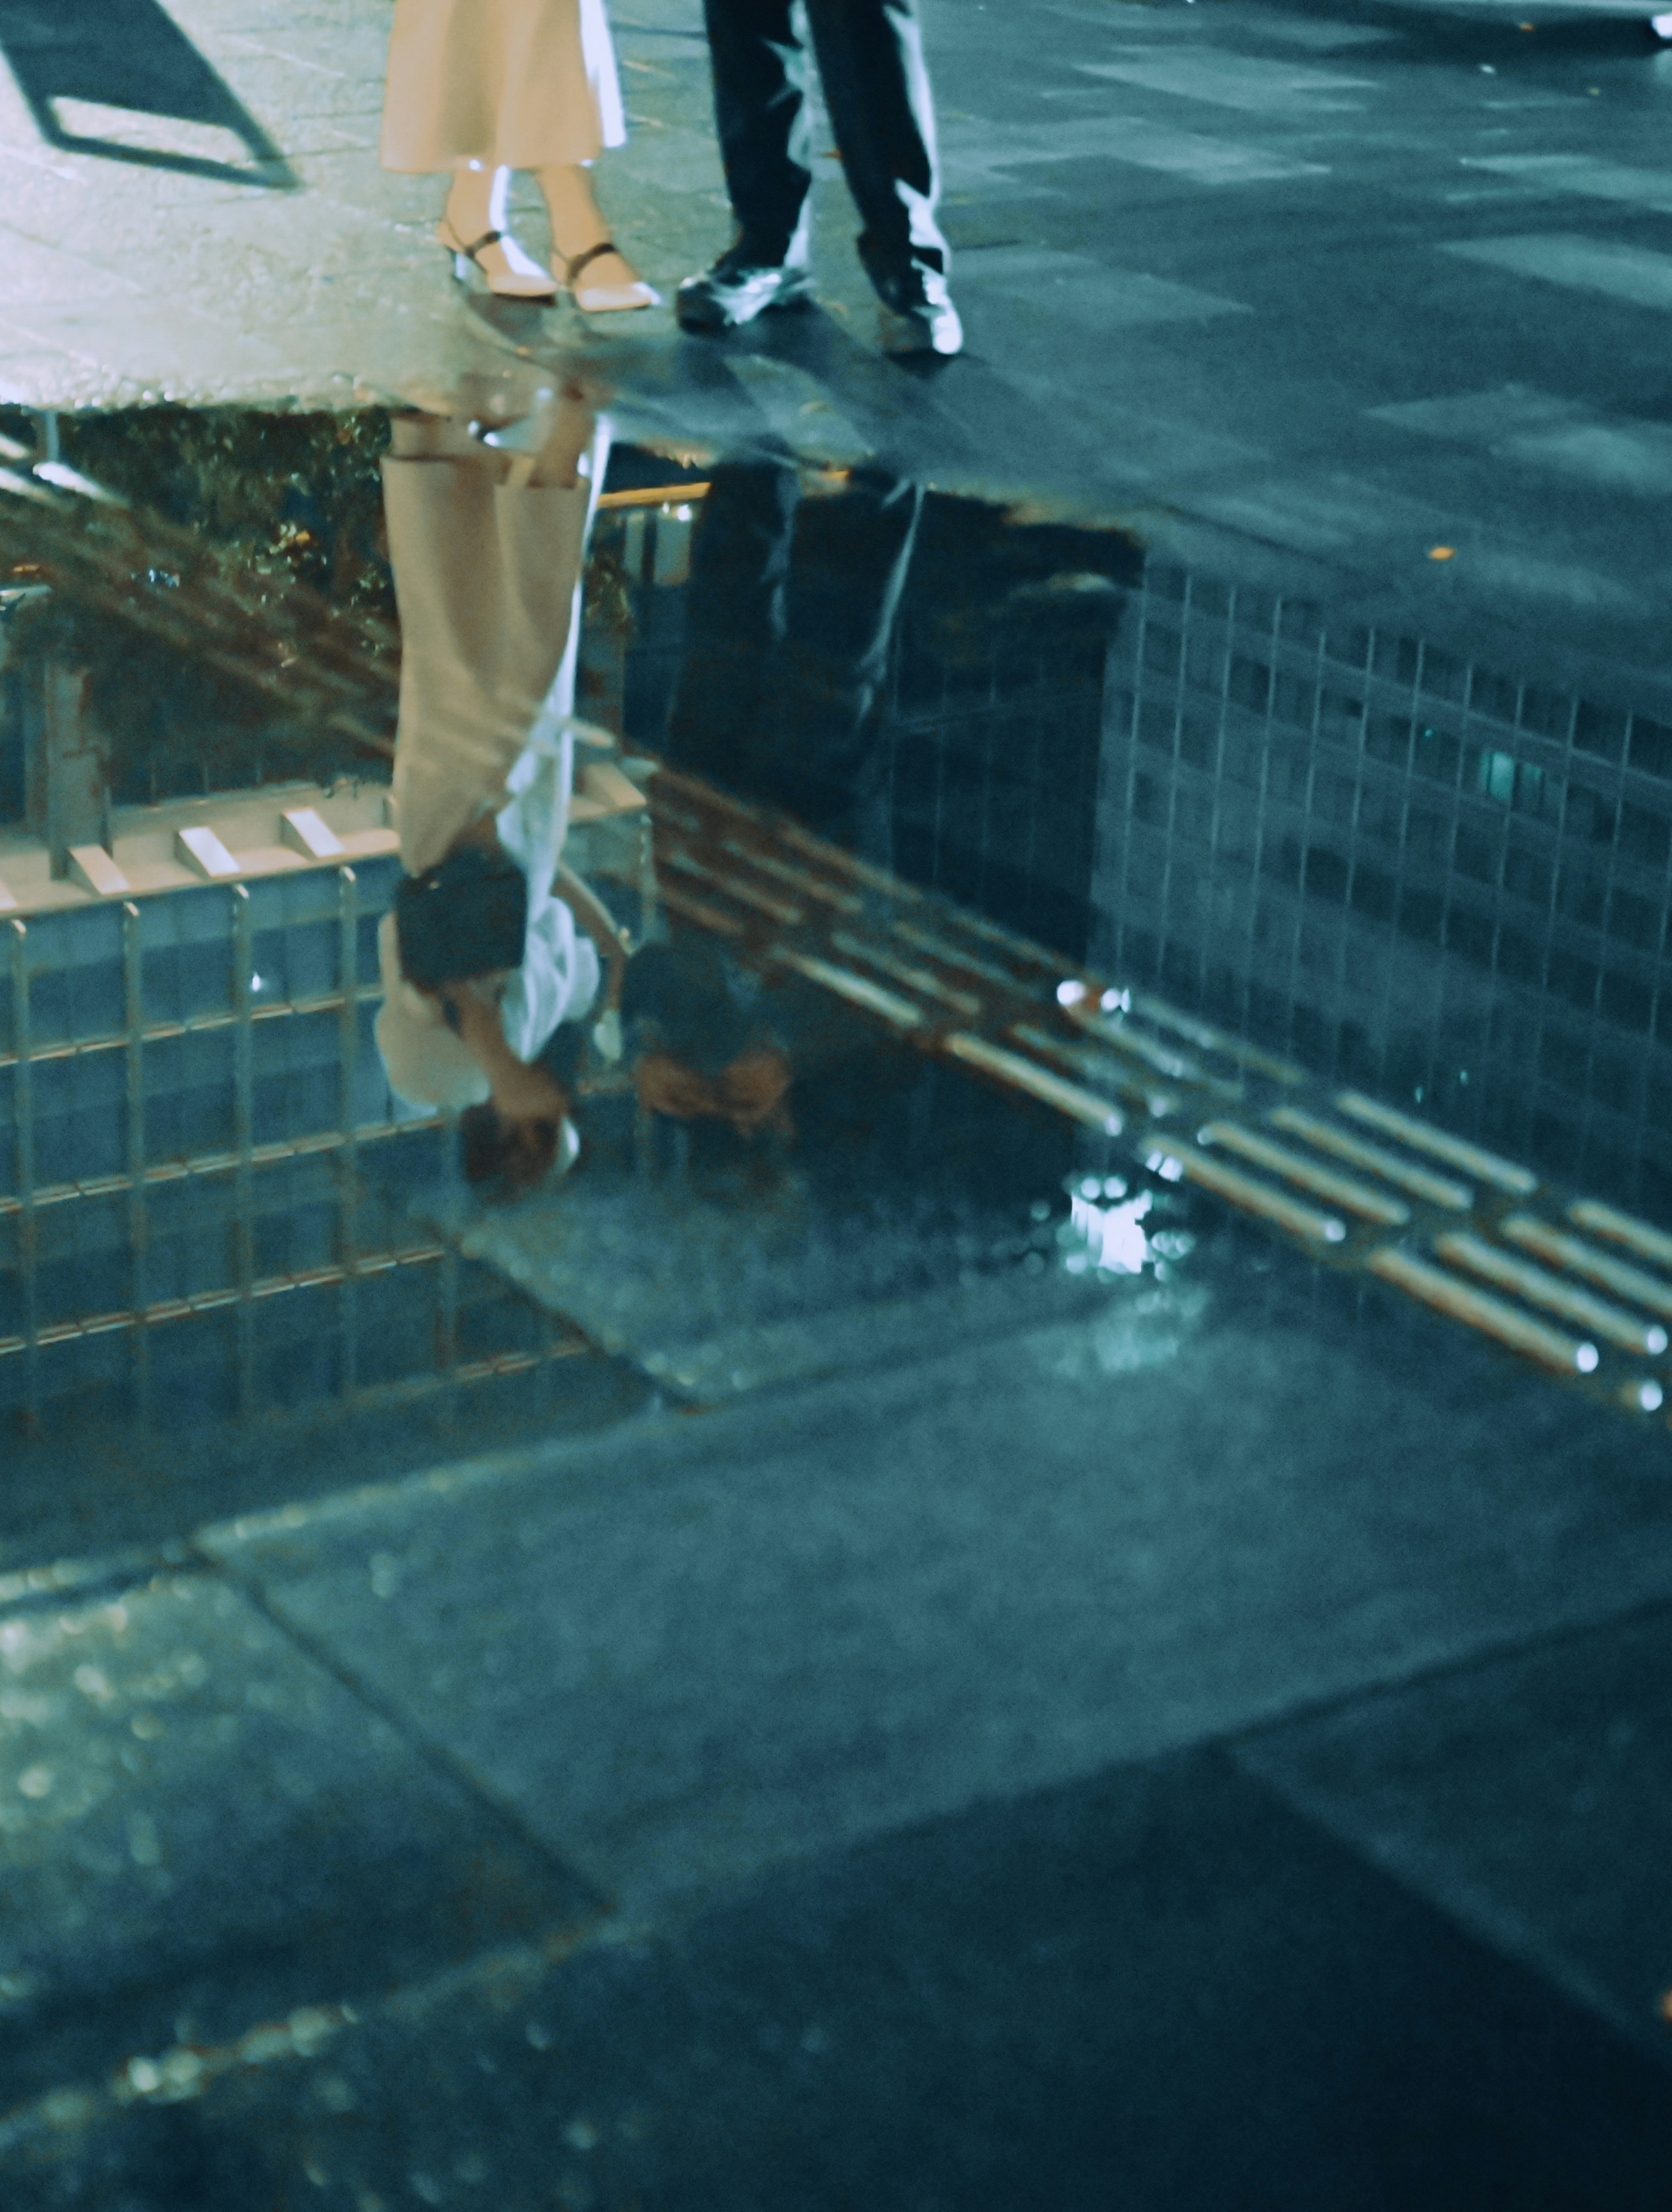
<point x="1531" y="1798"/>
<point x="717" y="1641"/>
<point x="1161" y="1988"/>
<point x="201" y="1828"/>
<point x="1232" y="231"/>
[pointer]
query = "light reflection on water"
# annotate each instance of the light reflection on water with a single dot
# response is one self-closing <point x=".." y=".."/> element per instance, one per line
<point x="1109" y="1226"/>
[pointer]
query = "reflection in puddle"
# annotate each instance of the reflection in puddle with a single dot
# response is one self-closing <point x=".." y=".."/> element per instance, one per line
<point x="671" y="886"/>
<point x="1146" y="1329"/>
<point x="495" y="951"/>
<point x="501" y="932"/>
<point x="1109" y="1225"/>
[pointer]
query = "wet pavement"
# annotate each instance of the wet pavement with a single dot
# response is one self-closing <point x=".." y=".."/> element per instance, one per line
<point x="1319" y="291"/>
<point x="932" y="1468"/>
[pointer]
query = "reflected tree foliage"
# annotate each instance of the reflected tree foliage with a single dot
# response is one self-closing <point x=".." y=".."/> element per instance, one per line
<point x="256" y="535"/>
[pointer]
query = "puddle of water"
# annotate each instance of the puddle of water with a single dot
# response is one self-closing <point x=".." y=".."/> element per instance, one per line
<point x="953" y="737"/>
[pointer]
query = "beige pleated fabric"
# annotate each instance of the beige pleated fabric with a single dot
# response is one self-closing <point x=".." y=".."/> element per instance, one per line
<point x="488" y="584"/>
<point x="513" y="84"/>
<point x="486" y="576"/>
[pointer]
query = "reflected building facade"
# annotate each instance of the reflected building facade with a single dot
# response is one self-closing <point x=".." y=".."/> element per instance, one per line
<point x="1414" y="874"/>
<point x="953" y="661"/>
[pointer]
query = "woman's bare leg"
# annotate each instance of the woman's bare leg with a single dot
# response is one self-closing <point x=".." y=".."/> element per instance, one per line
<point x="577" y="226"/>
<point x="477" y="201"/>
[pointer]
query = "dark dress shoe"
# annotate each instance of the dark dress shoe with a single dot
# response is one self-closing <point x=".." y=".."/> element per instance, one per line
<point x="737" y="289"/>
<point x="921" y="317"/>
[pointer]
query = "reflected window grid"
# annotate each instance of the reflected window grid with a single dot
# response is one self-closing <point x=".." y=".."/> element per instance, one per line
<point x="180" y="1267"/>
<point x="1375" y="809"/>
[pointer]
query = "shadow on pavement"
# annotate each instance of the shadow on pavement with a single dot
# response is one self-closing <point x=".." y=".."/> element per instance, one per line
<point x="130" y="54"/>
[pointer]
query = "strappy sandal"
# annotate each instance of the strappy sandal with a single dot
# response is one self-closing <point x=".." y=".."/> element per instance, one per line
<point x="602" y="299"/>
<point x="505" y="285"/>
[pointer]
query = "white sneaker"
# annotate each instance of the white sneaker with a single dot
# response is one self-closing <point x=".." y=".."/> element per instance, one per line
<point x="1662" y="27"/>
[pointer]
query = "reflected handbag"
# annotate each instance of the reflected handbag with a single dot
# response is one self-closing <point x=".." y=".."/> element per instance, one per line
<point x="468" y="915"/>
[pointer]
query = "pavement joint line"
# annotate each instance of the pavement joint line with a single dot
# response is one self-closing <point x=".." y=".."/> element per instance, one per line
<point x="1423" y="1673"/>
<point x="1428" y="1875"/>
<point x="1508" y="1933"/>
<point x="441" y="1761"/>
<point x="447" y="1480"/>
<point x="78" y="1582"/>
<point x="53" y="2121"/>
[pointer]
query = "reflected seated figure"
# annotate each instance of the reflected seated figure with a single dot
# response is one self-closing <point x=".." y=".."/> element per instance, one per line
<point x="790" y="614"/>
<point x="706" y="1040"/>
<point x="495" y="954"/>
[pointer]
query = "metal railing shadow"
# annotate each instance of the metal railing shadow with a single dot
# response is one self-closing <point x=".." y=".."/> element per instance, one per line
<point x="130" y="54"/>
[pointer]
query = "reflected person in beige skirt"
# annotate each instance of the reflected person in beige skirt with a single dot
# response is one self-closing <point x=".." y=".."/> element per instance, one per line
<point x="480" y="88"/>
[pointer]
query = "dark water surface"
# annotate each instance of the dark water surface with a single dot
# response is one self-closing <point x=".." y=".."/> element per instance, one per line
<point x="1073" y="1619"/>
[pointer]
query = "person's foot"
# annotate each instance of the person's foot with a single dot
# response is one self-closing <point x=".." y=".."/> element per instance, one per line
<point x="475" y="229"/>
<point x="511" y="273"/>
<point x="918" y="314"/>
<point x="1660" y="27"/>
<point x="602" y="281"/>
<point x="738" y="289"/>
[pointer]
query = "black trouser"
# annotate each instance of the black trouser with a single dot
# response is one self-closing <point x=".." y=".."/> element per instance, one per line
<point x="790" y="614"/>
<point x="877" y="90"/>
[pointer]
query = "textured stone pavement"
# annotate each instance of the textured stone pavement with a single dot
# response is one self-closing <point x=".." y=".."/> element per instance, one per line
<point x="250" y="280"/>
<point x="1183" y="1743"/>
<point x="1305" y="292"/>
<point x="126" y="281"/>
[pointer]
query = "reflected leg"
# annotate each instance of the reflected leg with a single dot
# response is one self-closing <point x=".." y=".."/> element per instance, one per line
<point x="735" y="612"/>
<point x="824" y="721"/>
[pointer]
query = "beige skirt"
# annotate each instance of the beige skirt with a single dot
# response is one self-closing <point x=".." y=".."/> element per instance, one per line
<point x="485" y="578"/>
<point x="515" y="84"/>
